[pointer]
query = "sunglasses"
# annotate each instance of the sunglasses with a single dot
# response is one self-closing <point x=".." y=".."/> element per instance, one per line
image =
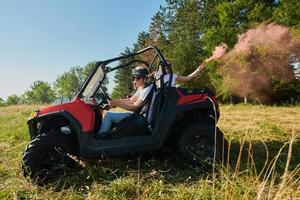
<point x="136" y="78"/>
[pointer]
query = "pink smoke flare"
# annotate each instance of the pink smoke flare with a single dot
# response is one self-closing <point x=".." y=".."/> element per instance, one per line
<point x="219" y="51"/>
<point x="260" y="60"/>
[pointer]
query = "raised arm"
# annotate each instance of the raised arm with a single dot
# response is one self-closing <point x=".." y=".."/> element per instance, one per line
<point x="219" y="51"/>
<point x="192" y="75"/>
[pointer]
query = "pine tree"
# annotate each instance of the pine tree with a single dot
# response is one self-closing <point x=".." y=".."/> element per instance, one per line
<point x="123" y="79"/>
<point x="185" y="49"/>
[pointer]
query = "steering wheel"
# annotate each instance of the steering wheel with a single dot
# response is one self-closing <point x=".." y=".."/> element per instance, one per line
<point x="105" y="94"/>
<point x="105" y="98"/>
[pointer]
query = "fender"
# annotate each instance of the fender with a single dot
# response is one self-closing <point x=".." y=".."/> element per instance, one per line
<point x="76" y="128"/>
<point x="77" y="108"/>
<point x="204" y="100"/>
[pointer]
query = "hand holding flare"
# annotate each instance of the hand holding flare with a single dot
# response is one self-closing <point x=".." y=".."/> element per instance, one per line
<point x="219" y="51"/>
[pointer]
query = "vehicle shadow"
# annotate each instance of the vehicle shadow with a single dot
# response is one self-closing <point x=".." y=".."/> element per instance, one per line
<point x="253" y="157"/>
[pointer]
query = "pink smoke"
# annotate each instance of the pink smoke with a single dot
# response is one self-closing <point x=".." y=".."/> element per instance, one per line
<point x="263" y="35"/>
<point x="260" y="59"/>
<point x="219" y="51"/>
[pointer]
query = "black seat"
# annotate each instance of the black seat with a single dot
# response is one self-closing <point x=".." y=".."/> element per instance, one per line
<point x="137" y="124"/>
<point x="157" y="101"/>
<point x="133" y="125"/>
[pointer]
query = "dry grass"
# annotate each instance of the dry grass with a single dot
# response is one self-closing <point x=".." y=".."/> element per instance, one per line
<point x="264" y="154"/>
<point x="260" y="122"/>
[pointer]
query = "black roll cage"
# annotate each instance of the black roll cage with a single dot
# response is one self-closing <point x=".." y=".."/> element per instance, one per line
<point x="165" y="66"/>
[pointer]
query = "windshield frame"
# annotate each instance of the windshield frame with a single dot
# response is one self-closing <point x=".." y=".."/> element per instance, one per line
<point x="166" y="69"/>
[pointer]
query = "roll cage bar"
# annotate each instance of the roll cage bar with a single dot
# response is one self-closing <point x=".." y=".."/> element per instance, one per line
<point x="165" y="66"/>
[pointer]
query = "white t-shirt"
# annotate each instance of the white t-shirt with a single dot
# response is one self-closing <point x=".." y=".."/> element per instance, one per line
<point x="138" y="92"/>
<point x="166" y="79"/>
<point x="144" y="92"/>
<point x="141" y="93"/>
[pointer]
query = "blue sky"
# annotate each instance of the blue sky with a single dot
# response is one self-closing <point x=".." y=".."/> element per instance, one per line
<point x="40" y="40"/>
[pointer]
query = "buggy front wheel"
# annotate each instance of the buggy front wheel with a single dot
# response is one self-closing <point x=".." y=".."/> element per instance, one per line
<point x="46" y="156"/>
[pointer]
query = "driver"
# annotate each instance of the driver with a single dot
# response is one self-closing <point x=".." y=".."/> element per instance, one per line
<point x="140" y="77"/>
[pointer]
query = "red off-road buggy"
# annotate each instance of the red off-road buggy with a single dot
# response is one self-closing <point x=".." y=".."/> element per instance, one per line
<point x="183" y="120"/>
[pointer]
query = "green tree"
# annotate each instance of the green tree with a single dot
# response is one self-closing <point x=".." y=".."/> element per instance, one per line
<point x="123" y="79"/>
<point x="87" y="69"/>
<point x="185" y="49"/>
<point x="143" y="40"/>
<point x="188" y="30"/>
<point x="156" y="31"/>
<point x="255" y="71"/>
<point x="2" y="102"/>
<point x="210" y="24"/>
<point x="161" y="24"/>
<point x="222" y="21"/>
<point x="13" y="99"/>
<point x="288" y="13"/>
<point x="68" y="84"/>
<point x="40" y="92"/>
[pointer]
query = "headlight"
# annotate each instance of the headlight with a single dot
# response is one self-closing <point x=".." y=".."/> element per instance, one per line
<point x="32" y="115"/>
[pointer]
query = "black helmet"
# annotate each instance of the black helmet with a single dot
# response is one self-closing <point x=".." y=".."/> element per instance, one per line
<point x="140" y="71"/>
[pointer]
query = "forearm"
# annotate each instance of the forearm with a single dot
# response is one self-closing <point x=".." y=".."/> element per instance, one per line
<point x="125" y="100"/>
<point x="192" y="75"/>
<point x="127" y="105"/>
<point x="195" y="73"/>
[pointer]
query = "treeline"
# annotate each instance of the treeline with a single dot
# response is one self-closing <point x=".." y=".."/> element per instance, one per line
<point x="63" y="89"/>
<point x="187" y="31"/>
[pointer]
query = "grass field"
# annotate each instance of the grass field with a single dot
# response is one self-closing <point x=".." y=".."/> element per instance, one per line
<point x="264" y="163"/>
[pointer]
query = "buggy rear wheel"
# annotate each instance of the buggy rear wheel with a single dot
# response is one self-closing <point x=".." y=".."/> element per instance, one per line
<point x="46" y="157"/>
<point x="202" y="145"/>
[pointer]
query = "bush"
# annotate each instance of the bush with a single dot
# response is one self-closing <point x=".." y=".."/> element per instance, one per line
<point x="288" y="93"/>
<point x="13" y="100"/>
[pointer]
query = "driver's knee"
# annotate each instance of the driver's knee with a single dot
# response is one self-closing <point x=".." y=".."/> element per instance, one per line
<point x="108" y="115"/>
<point x="106" y="122"/>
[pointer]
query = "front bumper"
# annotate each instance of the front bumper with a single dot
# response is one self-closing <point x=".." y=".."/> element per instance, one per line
<point x="32" y="127"/>
<point x="33" y="124"/>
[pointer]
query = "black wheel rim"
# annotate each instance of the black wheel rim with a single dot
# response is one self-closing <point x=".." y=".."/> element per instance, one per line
<point x="202" y="149"/>
<point x="55" y="160"/>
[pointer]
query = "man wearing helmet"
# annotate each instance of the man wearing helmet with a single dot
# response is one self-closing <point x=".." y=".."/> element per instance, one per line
<point x="140" y="76"/>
